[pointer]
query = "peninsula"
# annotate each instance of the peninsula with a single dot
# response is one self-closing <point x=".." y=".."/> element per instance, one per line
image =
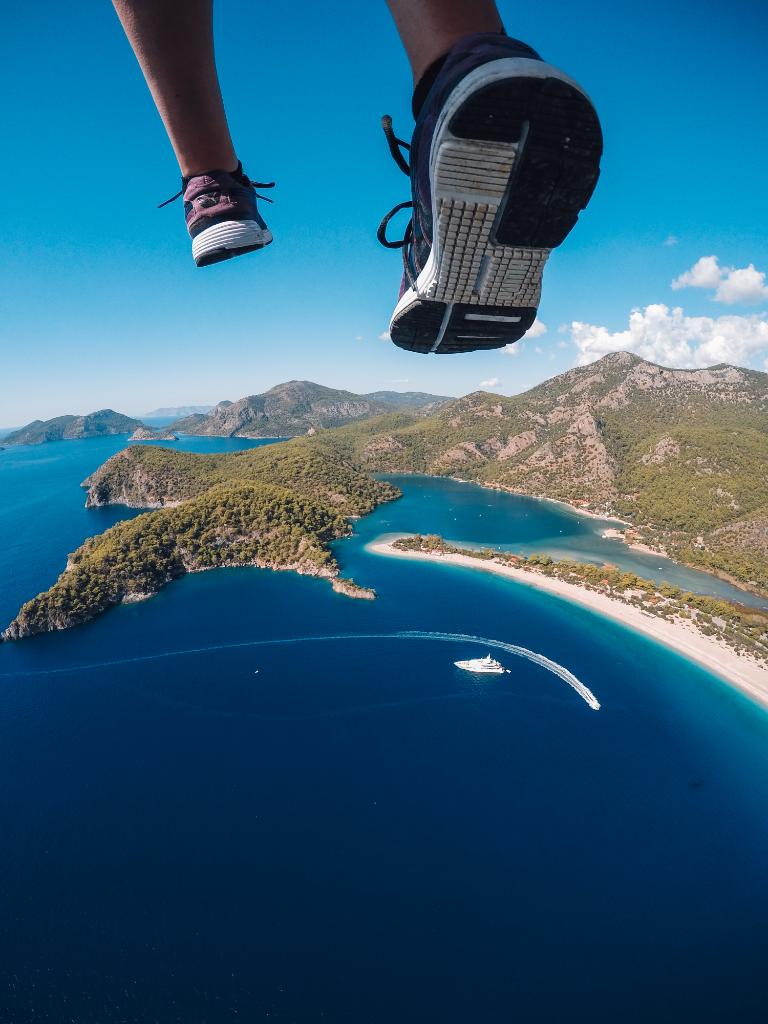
<point x="276" y="507"/>
<point x="728" y="640"/>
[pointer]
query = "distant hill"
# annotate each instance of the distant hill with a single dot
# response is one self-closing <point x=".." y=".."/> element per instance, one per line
<point x="407" y="399"/>
<point x="294" y="408"/>
<point x="151" y="434"/>
<point x="683" y="454"/>
<point x="177" y="411"/>
<point x="96" y="424"/>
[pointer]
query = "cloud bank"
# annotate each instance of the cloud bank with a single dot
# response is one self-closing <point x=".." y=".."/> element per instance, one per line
<point x="668" y="336"/>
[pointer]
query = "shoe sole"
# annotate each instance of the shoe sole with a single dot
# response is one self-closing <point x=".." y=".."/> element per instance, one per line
<point x="230" y="238"/>
<point x="515" y="157"/>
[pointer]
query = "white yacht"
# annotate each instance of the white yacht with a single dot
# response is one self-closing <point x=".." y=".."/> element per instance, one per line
<point x="482" y="665"/>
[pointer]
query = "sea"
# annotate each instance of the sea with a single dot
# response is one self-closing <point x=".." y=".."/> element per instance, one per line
<point x="252" y="799"/>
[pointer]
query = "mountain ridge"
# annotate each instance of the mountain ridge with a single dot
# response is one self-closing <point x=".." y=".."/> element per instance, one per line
<point x="295" y="407"/>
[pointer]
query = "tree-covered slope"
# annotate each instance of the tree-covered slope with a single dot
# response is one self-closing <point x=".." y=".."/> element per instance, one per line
<point x="149" y="477"/>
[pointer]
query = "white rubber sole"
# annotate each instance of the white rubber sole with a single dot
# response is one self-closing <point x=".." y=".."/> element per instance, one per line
<point x="471" y="181"/>
<point x="231" y="237"/>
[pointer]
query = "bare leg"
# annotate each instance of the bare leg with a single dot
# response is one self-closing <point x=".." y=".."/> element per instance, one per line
<point x="429" y="28"/>
<point x="173" y="43"/>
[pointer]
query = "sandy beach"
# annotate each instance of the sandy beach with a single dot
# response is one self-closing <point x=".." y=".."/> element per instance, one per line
<point x="740" y="671"/>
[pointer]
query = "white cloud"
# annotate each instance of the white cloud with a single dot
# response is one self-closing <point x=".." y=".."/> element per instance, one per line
<point x="670" y="240"/>
<point x="730" y="284"/>
<point x="493" y="382"/>
<point x="359" y="337"/>
<point x="562" y="344"/>
<point x="671" y="338"/>
<point x="745" y="285"/>
<point x="385" y="336"/>
<point x="705" y="273"/>
<point x="536" y="329"/>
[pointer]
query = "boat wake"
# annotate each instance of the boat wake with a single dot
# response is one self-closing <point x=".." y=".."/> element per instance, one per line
<point x="500" y="645"/>
<point x="521" y="652"/>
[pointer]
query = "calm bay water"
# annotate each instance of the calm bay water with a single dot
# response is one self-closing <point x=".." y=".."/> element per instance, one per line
<point x="206" y="826"/>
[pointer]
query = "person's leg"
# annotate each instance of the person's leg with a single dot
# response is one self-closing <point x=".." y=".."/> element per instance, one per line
<point x="504" y="155"/>
<point x="429" y="28"/>
<point x="173" y="43"/>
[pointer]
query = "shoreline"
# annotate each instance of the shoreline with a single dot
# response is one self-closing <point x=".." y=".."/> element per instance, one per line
<point x="742" y="673"/>
<point x="602" y="517"/>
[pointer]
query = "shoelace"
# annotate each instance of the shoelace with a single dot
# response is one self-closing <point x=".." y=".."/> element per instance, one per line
<point x="240" y="178"/>
<point x="396" y="146"/>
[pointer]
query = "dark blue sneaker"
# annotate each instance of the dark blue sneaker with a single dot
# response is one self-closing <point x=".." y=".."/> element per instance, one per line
<point x="505" y="154"/>
<point x="222" y="216"/>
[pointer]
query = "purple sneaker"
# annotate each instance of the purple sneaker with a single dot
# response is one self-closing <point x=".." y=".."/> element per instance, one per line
<point x="223" y="219"/>
<point x="505" y="153"/>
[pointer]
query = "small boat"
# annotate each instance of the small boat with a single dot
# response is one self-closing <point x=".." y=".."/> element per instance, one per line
<point x="482" y="665"/>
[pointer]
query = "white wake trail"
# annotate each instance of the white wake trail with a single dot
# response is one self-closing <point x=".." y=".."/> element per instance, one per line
<point x="522" y="652"/>
<point x="500" y="645"/>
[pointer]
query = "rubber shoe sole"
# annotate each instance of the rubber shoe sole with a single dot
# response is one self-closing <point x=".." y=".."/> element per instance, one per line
<point x="230" y="238"/>
<point x="515" y="157"/>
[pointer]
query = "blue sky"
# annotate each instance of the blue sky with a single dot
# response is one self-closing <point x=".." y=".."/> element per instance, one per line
<point x="101" y="304"/>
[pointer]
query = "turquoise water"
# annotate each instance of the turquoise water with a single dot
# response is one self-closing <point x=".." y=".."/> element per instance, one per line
<point x="475" y="516"/>
<point x="200" y="824"/>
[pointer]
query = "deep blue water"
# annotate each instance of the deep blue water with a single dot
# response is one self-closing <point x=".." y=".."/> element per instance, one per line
<point x="357" y="832"/>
